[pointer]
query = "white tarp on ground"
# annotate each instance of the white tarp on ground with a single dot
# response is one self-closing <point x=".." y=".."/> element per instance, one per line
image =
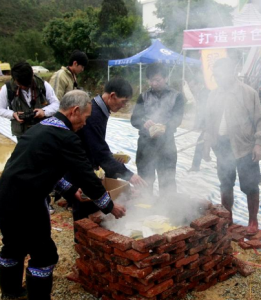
<point x="121" y="136"/>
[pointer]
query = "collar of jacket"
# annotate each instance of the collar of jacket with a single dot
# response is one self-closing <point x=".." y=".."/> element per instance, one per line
<point x="99" y="101"/>
<point x="62" y="117"/>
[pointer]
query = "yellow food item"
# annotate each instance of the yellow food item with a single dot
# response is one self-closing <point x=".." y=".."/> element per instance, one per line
<point x="122" y="156"/>
<point x="100" y="173"/>
<point x="142" y="205"/>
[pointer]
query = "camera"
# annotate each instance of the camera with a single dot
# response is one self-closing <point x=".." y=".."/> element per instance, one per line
<point x="29" y="115"/>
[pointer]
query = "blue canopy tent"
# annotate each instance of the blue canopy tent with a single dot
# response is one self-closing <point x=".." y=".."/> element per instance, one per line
<point x="157" y="52"/>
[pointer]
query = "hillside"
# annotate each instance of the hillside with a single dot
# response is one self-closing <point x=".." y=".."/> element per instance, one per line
<point x="20" y="15"/>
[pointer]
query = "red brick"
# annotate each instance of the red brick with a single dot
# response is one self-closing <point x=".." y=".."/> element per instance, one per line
<point x="179" y="234"/>
<point x="236" y="237"/>
<point x="110" y="276"/>
<point x="100" y="267"/>
<point x="200" y="275"/>
<point x="227" y="274"/>
<point x="204" y="222"/>
<point x="242" y="267"/>
<point x="200" y="234"/>
<point x="73" y="277"/>
<point x="197" y="249"/>
<point x="204" y="286"/>
<point x="241" y="229"/>
<point x="232" y="227"/>
<point x="200" y="261"/>
<point x="172" y="273"/>
<point x="128" y="278"/>
<point x="256" y="236"/>
<point x="180" y="250"/>
<point x="156" y="274"/>
<point x="192" y="244"/>
<point x="171" y="291"/>
<point x="84" y="225"/>
<point x="149" y="243"/>
<point x="131" y="254"/>
<point x="244" y="246"/>
<point x="99" y="234"/>
<point x="185" y="274"/>
<point x="254" y="244"/>
<point x="170" y="247"/>
<point x="83" y="266"/>
<point x="120" y="260"/>
<point x="136" y="285"/>
<point x="209" y="265"/>
<point x="89" y="290"/>
<point x="157" y="289"/>
<point x="226" y="261"/>
<point x="104" y="297"/>
<point x="119" y="241"/>
<point x="84" y="252"/>
<point x="173" y="259"/>
<point x="186" y="260"/>
<point x="139" y="297"/>
<point x="213" y="275"/>
<point x="82" y="239"/>
<point x="153" y="260"/>
<point x="118" y="296"/>
<point x="134" y="271"/>
<point x="220" y="210"/>
<point x="121" y="288"/>
<point x="100" y="246"/>
<point x="223" y="223"/>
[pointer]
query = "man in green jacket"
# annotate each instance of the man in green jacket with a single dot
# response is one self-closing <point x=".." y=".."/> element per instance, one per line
<point x="65" y="80"/>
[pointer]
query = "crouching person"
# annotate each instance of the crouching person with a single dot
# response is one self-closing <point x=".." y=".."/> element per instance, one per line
<point x="52" y="149"/>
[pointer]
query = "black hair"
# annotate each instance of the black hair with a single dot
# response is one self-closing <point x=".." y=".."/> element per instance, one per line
<point x="156" y="68"/>
<point x="22" y="72"/>
<point x="80" y="57"/>
<point x="120" y="86"/>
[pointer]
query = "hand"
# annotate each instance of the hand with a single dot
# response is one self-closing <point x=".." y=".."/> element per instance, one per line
<point x="39" y="113"/>
<point x="79" y="196"/>
<point x="16" y="116"/>
<point x="148" y="124"/>
<point x="118" y="211"/>
<point x="136" y="180"/>
<point x="256" y="153"/>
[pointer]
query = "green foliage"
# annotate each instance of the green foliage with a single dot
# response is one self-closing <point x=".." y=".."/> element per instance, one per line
<point x="203" y="14"/>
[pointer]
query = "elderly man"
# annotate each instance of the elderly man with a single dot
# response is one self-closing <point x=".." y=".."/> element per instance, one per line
<point x="233" y="130"/>
<point x="117" y="93"/>
<point x="26" y="99"/>
<point x="52" y="149"/>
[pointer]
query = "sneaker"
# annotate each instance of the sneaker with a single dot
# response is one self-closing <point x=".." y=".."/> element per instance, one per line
<point x="51" y="209"/>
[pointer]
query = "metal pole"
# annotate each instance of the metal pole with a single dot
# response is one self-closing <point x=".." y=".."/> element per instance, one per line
<point x="108" y="73"/>
<point x="184" y="51"/>
<point x="140" y="79"/>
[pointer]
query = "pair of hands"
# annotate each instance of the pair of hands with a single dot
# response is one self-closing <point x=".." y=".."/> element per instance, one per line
<point x="118" y="210"/>
<point x="39" y="114"/>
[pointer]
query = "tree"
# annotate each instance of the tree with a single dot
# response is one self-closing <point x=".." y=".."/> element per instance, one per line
<point x="203" y="14"/>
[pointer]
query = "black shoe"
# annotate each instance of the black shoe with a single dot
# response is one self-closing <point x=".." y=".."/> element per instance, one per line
<point x="18" y="296"/>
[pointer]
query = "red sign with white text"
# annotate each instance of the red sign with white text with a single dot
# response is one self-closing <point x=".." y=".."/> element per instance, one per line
<point x="223" y="37"/>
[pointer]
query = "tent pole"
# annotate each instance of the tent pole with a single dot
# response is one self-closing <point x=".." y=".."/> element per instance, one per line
<point x="184" y="51"/>
<point x="140" y="78"/>
<point x="108" y="73"/>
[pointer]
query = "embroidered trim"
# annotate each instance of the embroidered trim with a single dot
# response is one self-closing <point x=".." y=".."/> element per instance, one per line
<point x="103" y="201"/>
<point x="41" y="272"/>
<point x="62" y="186"/>
<point x="53" y="121"/>
<point x="8" y="262"/>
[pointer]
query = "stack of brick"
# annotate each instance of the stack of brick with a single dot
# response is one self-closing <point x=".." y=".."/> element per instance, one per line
<point x="164" y="266"/>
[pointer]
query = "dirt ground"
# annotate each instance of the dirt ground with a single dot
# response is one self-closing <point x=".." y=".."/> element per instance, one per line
<point x="235" y="288"/>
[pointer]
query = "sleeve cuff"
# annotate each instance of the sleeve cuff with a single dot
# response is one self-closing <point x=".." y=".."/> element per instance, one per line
<point x="104" y="203"/>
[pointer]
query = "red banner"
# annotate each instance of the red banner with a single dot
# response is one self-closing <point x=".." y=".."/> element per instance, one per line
<point x="223" y="37"/>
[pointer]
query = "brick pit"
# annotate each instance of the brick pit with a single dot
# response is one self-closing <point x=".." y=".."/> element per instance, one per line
<point x="166" y="266"/>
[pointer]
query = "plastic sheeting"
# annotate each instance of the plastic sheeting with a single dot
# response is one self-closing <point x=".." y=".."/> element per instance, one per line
<point x="121" y="136"/>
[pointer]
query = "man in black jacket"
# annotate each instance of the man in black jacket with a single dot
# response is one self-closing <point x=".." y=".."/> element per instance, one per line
<point x="157" y="114"/>
<point x="43" y="155"/>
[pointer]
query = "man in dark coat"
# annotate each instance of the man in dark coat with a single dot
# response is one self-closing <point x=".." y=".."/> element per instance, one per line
<point x="117" y="93"/>
<point x="43" y="155"/>
<point x="157" y="114"/>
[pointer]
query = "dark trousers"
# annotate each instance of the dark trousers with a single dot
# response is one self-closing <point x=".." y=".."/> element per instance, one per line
<point x="152" y="156"/>
<point x="198" y="154"/>
<point x="227" y="165"/>
<point x="29" y="233"/>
